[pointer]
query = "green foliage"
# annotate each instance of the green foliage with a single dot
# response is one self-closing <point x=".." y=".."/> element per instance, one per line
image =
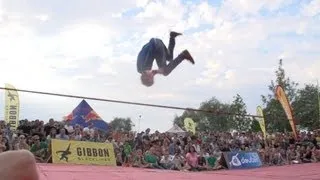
<point x="241" y="122"/>
<point x="217" y="121"/>
<point x="121" y="124"/>
<point x="306" y="107"/>
<point x="255" y="126"/>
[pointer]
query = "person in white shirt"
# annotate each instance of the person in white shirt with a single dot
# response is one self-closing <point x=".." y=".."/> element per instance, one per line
<point x="90" y="129"/>
<point x="69" y="127"/>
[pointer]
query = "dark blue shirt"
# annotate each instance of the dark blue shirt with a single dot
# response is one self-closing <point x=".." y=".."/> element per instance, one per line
<point x="148" y="53"/>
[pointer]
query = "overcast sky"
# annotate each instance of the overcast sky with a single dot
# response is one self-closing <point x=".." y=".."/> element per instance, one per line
<point x="89" y="48"/>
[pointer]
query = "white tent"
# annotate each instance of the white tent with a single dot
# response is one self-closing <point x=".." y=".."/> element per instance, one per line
<point x="176" y="130"/>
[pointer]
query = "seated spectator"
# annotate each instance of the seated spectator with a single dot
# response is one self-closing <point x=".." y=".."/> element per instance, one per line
<point x="307" y="155"/>
<point x="277" y="158"/>
<point x="293" y="155"/>
<point x="152" y="159"/>
<point x="192" y="162"/>
<point x="202" y="162"/>
<point x="179" y="160"/>
<point x="39" y="149"/>
<point x="166" y="162"/>
<point x="315" y="154"/>
<point x="3" y="146"/>
<point x="138" y="159"/>
<point x="118" y="155"/>
<point x="127" y="150"/>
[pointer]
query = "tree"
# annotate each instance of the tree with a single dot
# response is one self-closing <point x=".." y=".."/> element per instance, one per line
<point x="121" y="124"/>
<point x="208" y="121"/>
<point x="218" y="121"/>
<point x="241" y="122"/>
<point x="306" y="107"/>
<point x="275" y="116"/>
<point x="255" y="126"/>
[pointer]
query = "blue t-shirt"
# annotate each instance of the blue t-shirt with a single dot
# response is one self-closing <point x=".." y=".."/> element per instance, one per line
<point x="148" y="53"/>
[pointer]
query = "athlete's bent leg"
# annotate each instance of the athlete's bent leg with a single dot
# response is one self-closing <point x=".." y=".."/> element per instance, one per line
<point x="172" y="43"/>
<point x="185" y="55"/>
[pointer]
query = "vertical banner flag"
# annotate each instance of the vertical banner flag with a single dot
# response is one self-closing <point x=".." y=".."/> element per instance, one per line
<point x="261" y="121"/>
<point x="12" y="107"/>
<point x="190" y="125"/>
<point x="282" y="98"/>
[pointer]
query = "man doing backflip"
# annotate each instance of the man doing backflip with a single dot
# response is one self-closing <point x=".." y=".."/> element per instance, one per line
<point x="155" y="49"/>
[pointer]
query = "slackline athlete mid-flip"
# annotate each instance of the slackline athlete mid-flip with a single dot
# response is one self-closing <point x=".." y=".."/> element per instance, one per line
<point x="156" y="50"/>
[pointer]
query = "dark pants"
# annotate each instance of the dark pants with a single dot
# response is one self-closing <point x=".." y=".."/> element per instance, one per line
<point x="164" y="55"/>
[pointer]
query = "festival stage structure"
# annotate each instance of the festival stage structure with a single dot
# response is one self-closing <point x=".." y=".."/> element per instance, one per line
<point x="81" y="172"/>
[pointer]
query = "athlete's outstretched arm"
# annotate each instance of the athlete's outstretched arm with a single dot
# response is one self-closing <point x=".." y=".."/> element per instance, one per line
<point x="18" y="165"/>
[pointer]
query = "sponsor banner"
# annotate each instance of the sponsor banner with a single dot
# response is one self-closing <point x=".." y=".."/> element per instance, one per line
<point x="282" y="98"/>
<point x="12" y="107"/>
<point x="242" y="160"/>
<point x="189" y="125"/>
<point x="81" y="152"/>
<point x="261" y="121"/>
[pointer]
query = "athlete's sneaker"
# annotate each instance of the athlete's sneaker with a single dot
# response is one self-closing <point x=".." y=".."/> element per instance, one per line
<point x="174" y="34"/>
<point x="186" y="55"/>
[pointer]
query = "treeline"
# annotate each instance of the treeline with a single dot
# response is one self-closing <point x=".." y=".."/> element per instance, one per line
<point x="304" y="101"/>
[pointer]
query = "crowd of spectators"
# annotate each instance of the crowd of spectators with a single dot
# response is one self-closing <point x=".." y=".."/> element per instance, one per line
<point x="196" y="152"/>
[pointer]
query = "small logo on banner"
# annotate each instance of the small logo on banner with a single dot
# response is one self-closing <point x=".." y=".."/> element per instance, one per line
<point x="235" y="161"/>
<point x="242" y="160"/>
<point x="65" y="153"/>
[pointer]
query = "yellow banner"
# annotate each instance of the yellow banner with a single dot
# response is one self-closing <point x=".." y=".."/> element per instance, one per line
<point x="189" y="125"/>
<point x="282" y="98"/>
<point x="12" y="107"/>
<point x="81" y="152"/>
<point x="261" y="121"/>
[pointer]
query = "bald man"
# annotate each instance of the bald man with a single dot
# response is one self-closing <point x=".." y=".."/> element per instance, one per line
<point x="18" y="165"/>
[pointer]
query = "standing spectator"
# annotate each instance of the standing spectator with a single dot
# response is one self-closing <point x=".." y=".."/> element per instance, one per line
<point x="68" y="127"/>
<point x="24" y="127"/>
<point x="52" y="134"/>
<point x="49" y="126"/>
<point x="89" y="129"/>
<point x="22" y="143"/>
<point x="62" y="134"/>
<point x="77" y="133"/>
